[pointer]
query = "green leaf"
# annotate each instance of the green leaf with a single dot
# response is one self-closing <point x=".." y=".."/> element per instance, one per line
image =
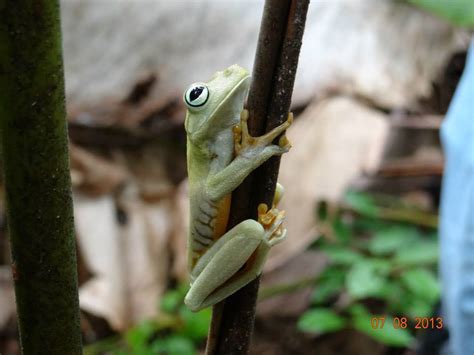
<point x="421" y="253"/>
<point x="321" y="320"/>
<point x="138" y="336"/>
<point x="333" y="272"/>
<point x="367" y="278"/>
<point x="392" y="292"/>
<point x="402" y="301"/>
<point x="387" y="334"/>
<point x="422" y="283"/>
<point x="396" y="296"/>
<point x="173" y="345"/>
<point x="391" y="239"/>
<point x="412" y="306"/>
<point x="196" y="325"/>
<point x="171" y="301"/>
<point x="361" y="203"/>
<point x="364" y="225"/>
<point x="342" y="230"/>
<point x="358" y="309"/>
<point x="327" y="287"/>
<point x="341" y="255"/>
<point x="458" y="12"/>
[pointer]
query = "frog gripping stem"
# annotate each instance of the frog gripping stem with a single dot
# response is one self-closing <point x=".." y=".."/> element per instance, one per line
<point x="269" y="100"/>
<point x="244" y="141"/>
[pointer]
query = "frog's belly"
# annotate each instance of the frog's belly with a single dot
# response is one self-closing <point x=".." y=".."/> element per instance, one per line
<point x="209" y="224"/>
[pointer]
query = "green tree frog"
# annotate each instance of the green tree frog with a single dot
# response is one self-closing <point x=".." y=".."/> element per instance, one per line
<point x="220" y="155"/>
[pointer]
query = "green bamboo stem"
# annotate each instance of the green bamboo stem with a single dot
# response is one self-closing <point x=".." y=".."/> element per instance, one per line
<point x="37" y="182"/>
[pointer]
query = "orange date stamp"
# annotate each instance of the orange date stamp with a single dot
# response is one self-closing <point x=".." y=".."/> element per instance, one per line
<point x="404" y="322"/>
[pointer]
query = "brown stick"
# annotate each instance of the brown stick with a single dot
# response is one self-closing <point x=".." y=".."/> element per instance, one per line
<point x="269" y="101"/>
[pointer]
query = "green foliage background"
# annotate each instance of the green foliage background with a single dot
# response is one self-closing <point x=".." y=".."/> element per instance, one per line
<point x="381" y="261"/>
<point x="457" y="12"/>
<point x="176" y="331"/>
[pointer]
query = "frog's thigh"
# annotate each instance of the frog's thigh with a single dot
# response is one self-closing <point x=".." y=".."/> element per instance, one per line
<point x="241" y="279"/>
<point x="224" y="260"/>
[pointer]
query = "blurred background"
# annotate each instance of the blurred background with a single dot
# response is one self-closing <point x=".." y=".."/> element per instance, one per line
<point x="362" y="180"/>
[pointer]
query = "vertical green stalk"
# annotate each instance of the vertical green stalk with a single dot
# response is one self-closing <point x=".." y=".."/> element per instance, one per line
<point x="34" y="145"/>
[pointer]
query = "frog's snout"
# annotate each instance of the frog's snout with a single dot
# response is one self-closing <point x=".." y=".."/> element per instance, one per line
<point x="234" y="69"/>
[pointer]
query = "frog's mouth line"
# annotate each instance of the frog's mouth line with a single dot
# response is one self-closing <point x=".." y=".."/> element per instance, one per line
<point x="236" y="87"/>
<point x="196" y="135"/>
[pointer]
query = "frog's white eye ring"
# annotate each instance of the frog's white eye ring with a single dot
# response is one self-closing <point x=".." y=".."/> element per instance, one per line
<point x="196" y="96"/>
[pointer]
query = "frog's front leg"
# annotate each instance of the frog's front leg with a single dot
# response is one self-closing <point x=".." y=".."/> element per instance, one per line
<point x="235" y="259"/>
<point x="251" y="152"/>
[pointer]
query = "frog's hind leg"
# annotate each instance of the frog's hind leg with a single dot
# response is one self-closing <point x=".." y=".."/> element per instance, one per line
<point x="215" y="273"/>
<point x="247" y="273"/>
<point x="235" y="259"/>
<point x="272" y="233"/>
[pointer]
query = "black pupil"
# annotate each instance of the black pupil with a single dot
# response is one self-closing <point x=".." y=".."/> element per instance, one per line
<point x="196" y="92"/>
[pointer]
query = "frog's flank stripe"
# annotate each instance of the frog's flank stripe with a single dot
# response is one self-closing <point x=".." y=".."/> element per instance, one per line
<point x="204" y="218"/>
<point x="203" y="230"/>
<point x="208" y="207"/>
<point x="205" y="212"/>
<point x="199" y="246"/>
<point x="202" y="240"/>
<point x="205" y="224"/>
<point x="212" y="223"/>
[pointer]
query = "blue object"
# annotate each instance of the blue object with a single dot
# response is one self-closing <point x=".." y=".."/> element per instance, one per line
<point x="457" y="215"/>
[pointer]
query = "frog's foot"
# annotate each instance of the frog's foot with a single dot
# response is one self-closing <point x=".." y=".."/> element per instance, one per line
<point x="272" y="223"/>
<point x="243" y="140"/>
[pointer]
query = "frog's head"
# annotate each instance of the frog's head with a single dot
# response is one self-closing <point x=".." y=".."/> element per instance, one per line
<point x="216" y="105"/>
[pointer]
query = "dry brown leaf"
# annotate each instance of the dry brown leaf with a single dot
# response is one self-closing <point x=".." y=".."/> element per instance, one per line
<point x="94" y="175"/>
<point x="386" y="51"/>
<point x="100" y="245"/>
<point x="145" y="255"/>
<point x="149" y="168"/>
<point x="129" y="257"/>
<point x="334" y="141"/>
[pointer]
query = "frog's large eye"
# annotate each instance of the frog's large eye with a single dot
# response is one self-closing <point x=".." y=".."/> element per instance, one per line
<point x="196" y="96"/>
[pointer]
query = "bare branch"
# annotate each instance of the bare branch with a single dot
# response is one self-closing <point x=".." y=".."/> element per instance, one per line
<point x="269" y="101"/>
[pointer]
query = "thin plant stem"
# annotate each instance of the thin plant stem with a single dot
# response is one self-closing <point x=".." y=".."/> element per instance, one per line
<point x="275" y="65"/>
